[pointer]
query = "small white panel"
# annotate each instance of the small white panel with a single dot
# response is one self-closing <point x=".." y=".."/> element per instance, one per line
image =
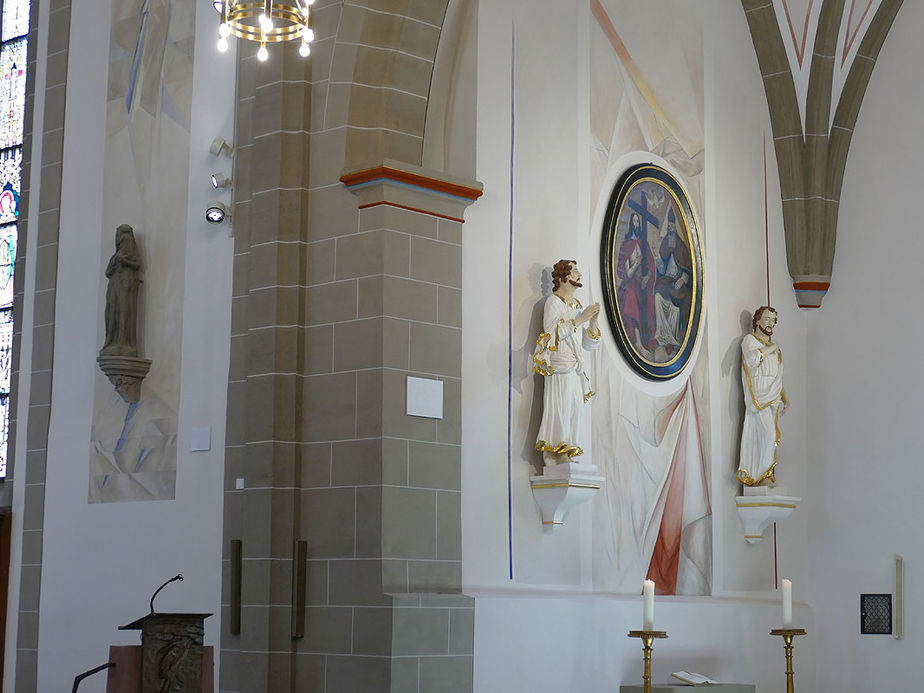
<point x="424" y="397"/>
<point x="201" y="439"/>
<point x="239" y="483"/>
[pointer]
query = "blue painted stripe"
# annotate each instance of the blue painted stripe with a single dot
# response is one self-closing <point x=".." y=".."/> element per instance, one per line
<point x="513" y="51"/>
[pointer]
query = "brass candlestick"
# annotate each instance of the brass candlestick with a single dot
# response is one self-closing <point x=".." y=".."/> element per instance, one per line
<point x="788" y="634"/>
<point x="647" y="637"/>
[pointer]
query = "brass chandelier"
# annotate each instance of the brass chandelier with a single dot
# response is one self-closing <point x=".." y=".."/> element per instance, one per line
<point x="265" y="21"/>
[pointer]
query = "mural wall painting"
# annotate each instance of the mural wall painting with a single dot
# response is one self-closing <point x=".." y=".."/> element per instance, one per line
<point x="653" y="517"/>
<point x="133" y="445"/>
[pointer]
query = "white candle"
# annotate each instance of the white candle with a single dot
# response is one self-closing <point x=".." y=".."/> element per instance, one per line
<point x="648" y="611"/>
<point x="787" y="603"/>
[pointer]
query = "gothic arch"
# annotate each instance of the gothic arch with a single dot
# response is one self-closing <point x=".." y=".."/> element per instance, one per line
<point x="380" y="76"/>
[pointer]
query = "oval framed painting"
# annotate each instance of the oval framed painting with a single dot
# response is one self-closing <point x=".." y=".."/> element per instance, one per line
<point x="652" y="266"/>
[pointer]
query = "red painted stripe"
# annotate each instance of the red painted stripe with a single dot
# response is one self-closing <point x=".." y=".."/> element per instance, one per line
<point x="398" y="175"/>
<point x="805" y="305"/>
<point x="766" y="223"/>
<point x="412" y="209"/>
<point x="849" y="38"/>
<point x="800" y="50"/>
<point x="811" y="286"/>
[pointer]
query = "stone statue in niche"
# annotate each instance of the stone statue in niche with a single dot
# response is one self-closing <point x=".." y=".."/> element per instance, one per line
<point x="568" y="330"/>
<point x="119" y="358"/>
<point x="123" y="273"/>
<point x="764" y="400"/>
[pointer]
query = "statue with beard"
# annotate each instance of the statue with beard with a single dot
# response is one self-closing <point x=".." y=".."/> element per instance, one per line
<point x="568" y="330"/>
<point x="764" y="399"/>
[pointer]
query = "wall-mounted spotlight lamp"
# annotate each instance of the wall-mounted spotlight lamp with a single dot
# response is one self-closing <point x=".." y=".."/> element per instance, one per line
<point x="219" y="145"/>
<point x="216" y="212"/>
<point x="220" y="180"/>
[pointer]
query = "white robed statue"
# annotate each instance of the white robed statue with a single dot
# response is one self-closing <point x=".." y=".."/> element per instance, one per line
<point x="764" y="399"/>
<point x="567" y="331"/>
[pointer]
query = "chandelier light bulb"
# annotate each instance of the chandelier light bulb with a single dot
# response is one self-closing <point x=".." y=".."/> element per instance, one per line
<point x="304" y="50"/>
<point x="263" y="22"/>
<point x="222" y="44"/>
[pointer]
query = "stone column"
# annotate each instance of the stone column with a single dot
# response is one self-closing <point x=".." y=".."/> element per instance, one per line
<point x="335" y="304"/>
<point x="408" y="252"/>
<point x="264" y="444"/>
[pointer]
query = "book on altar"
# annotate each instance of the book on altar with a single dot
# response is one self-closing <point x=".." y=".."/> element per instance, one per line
<point x="693" y="679"/>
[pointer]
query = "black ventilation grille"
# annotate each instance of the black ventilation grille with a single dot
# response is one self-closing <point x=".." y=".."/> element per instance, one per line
<point x="876" y="614"/>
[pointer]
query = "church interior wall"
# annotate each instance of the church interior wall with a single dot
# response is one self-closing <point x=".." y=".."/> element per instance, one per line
<point x="102" y="562"/>
<point x="536" y="591"/>
<point x="863" y="461"/>
<point x="736" y="127"/>
<point x="552" y="596"/>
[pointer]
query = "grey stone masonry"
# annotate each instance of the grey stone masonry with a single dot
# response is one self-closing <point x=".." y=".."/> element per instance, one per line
<point x="337" y="299"/>
<point x="46" y="226"/>
<point x="811" y="156"/>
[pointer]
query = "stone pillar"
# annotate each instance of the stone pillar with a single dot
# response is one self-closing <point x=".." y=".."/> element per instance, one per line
<point x="335" y="304"/>
<point x="264" y="437"/>
<point x="408" y="252"/>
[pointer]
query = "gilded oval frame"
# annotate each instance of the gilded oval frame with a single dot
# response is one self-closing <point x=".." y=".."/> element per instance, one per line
<point x="656" y="321"/>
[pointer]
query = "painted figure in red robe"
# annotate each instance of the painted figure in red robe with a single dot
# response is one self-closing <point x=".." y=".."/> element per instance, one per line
<point x="636" y="272"/>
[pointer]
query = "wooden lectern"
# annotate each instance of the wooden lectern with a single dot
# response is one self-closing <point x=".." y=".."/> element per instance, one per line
<point x="171" y="656"/>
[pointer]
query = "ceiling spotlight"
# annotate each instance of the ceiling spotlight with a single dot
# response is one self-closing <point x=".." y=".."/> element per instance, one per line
<point x="220" y="180"/>
<point x="216" y="212"/>
<point x="219" y="145"/>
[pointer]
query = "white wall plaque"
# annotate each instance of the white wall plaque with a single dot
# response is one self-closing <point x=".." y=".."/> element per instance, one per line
<point x="200" y="439"/>
<point x="424" y="397"/>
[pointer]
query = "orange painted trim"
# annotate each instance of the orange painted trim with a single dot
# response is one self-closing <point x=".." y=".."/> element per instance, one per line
<point x="811" y="286"/>
<point x="389" y="173"/>
<point x="412" y="209"/>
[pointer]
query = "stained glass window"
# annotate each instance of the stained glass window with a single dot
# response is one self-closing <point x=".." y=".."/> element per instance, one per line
<point x="10" y="185"/>
<point x="6" y="343"/>
<point x="12" y="91"/>
<point x="14" y="51"/>
<point x="15" y="20"/>
<point x="7" y="259"/>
